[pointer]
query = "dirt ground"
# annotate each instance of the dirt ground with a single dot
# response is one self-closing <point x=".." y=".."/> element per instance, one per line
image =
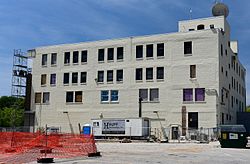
<point x="164" y="153"/>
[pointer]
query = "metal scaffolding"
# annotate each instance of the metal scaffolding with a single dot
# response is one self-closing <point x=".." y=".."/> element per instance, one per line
<point x="19" y="74"/>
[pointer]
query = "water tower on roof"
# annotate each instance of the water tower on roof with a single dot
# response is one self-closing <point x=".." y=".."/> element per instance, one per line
<point x="220" y="9"/>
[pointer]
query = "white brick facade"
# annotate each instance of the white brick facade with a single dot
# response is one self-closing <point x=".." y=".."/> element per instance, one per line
<point x="206" y="55"/>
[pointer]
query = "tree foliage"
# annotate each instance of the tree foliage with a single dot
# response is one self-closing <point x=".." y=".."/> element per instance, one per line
<point x="248" y="108"/>
<point x="11" y="111"/>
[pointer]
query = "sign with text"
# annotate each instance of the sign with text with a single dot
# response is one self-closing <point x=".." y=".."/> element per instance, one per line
<point x="113" y="126"/>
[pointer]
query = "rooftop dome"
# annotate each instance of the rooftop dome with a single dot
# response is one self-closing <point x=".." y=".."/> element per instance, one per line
<point x="220" y="9"/>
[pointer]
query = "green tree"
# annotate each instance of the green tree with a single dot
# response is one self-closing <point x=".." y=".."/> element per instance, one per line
<point x="248" y="108"/>
<point x="11" y="111"/>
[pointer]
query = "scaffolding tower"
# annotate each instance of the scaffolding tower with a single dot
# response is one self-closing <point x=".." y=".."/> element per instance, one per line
<point x="19" y="74"/>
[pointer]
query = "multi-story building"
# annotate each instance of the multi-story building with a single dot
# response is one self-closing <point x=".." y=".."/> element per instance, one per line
<point x="192" y="78"/>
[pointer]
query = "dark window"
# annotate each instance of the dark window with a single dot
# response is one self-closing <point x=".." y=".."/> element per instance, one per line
<point x="110" y="76"/>
<point x="232" y="101"/>
<point x="154" y="94"/>
<point x="193" y="120"/>
<point x="222" y="118"/>
<point x="160" y="49"/>
<point x="188" y="94"/>
<point x="149" y="52"/>
<point x="119" y="75"/>
<point x="46" y="97"/>
<point x="101" y="55"/>
<point x="78" y="96"/>
<point x="139" y="51"/>
<point x="188" y="47"/>
<point x="66" y="78"/>
<point x="69" y="96"/>
<point x="100" y="76"/>
<point x="200" y="27"/>
<point x="75" y="77"/>
<point x="53" y="58"/>
<point x="199" y="94"/>
<point x="110" y="53"/>
<point x="38" y="97"/>
<point x="84" y="56"/>
<point x="44" y="59"/>
<point x="43" y="79"/>
<point x="160" y="73"/>
<point x="149" y="73"/>
<point x="192" y="71"/>
<point x="66" y="57"/>
<point x="83" y="77"/>
<point x="75" y="56"/>
<point x="53" y="79"/>
<point x="119" y="53"/>
<point x="138" y="74"/>
<point x="143" y="93"/>
<point x="221" y="50"/>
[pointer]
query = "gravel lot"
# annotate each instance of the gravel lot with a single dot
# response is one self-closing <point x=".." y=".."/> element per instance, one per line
<point x="164" y="153"/>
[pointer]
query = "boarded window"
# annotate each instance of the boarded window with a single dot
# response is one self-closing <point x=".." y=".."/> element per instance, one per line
<point x="38" y="97"/>
<point x="192" y="71"/>
<point x="43" y="79"/>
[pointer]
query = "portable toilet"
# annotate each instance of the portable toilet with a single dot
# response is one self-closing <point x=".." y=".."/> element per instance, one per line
<point x="86" y="130"/>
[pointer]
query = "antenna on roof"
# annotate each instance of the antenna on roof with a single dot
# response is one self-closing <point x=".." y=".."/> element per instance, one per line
<point x="190" y="13"/>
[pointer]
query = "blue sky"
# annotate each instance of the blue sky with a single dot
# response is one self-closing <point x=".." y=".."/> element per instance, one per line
<point x="26" y="24"/>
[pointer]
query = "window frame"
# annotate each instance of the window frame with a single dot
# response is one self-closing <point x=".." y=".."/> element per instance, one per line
<point x="110" y="56"/>
<point x="75" y="57"/>
<point x="192" y="71"/>
<point x="149" y="50"/>
<point x="44" y="60"/>
<point x="83" y="78"/>
<point x="139" y="51"/>
<point x="53" y="61"/>
<point x="110" y="76"/>
<point x="43" y="79"/>
<point x="74" y="78"/>
<point x="38" y="100"/>
<point x="139" y="74"/>
<point x="84" y="56"/>
<point x="188" y="48"/>
<point x="101" y="55"/>
<point x="46" y="98"/>
<point x="185" y="99"/>
<point x="119" y="73"/>
<point x="160" y="50"/>
<point x="159" y="75"/>
<point x="64" y="78"/>
<point x="53" y="79"/>
<point x="149" y="73"/>
<point x="66" y="58"/>
<point x="101" y="72"/>
<point x="119" y="53"/>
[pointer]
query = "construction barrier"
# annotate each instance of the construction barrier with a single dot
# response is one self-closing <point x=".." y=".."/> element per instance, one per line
<point x="22" y="147"/>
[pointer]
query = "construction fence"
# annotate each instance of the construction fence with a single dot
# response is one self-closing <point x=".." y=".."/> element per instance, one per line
<point x="24" y="147"/>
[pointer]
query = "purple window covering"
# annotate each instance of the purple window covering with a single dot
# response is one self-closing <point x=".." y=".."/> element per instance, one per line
<point x="188" y="94"/>
<point x="199" y="94"/>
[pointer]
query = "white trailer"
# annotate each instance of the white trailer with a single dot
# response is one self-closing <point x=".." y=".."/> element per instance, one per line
<point x="121" y="127"/>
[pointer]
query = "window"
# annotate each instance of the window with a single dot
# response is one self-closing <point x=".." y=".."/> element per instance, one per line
<point x="43" y="79"/>
<point x="138" y="73"/>
<point x="46" y="97"/>
<point x="139" y="51"/>
<point x="75" y="77"/>
<point x="69" y="96"/>
<point x="200" y="27"/>
<point x="114" y="95"/>
<point x="78" y="96"/>
<point x="84" y="56"/>
<point x="119" y="53"/>
<point x="75" y="57"/>
<point x="44" y="59"/>
<point x="53" y="79"/>
<point x="100" y="76"/>
<point x="149" y="52"/>
<point x="66" y="78"/>
<point x="188" y="47"/>
<point x="154" y="94"/>
<point x="149" y="95"/>
<point x="66" y="57"/>
<point x="111" y="54"/>
<point x="143" y="93"/>
<point x="53" y="58"/>
<point x="160" y="49"/>
<point x="221" y="50"/>
<point x="38" y="97"/>
<point x="188" y="94"/>
<point x="192" y="71"/>
<point x="83" y="77"/>
<point x="110" y="76"/>
<point x="199" y="94"/>
<point x="105" y="96"/>
<point x="160" y="73"/>
<point x="119" y="75"/>
<point x="149" y="73"/>
<point x="101" y="55"/>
